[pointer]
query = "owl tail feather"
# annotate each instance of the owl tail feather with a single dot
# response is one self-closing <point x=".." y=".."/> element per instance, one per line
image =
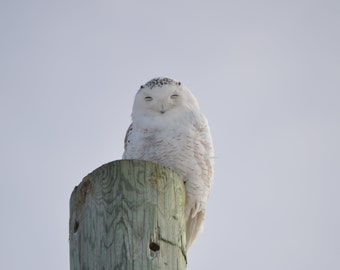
<point x="194" y="226"/>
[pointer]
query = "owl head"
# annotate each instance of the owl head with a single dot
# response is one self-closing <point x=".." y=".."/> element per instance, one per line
<point x="163" y="97"/>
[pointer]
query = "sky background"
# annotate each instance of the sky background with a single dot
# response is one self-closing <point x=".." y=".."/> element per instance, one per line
<point x="266" y="75"/>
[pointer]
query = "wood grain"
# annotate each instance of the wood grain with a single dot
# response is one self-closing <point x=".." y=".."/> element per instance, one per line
<point x="128" y="214"/>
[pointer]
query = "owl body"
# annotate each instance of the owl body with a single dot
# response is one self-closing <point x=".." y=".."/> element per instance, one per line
<point x="168" y="128"/>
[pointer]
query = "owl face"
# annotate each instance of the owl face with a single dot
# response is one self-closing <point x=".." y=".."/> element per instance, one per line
<point x="162" y="97"/>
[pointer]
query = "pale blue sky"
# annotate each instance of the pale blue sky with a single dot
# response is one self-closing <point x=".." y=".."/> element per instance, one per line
<point x="266" y="74"/>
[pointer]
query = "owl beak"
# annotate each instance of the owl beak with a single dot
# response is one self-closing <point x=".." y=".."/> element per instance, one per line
<point x="162" y="109"/>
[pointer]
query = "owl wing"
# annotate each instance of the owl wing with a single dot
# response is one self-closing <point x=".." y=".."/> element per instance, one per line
<point x="196" y="203"/>
<point x="207" y="161"/>
<point x="127" y="135"/>
<point x="200" y="183"/>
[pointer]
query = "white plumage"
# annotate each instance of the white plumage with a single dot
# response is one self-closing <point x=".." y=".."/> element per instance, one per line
<point x="168" y="128"/>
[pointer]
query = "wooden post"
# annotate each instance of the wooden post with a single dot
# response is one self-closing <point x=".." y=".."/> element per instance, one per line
<point x="128" y="214"/>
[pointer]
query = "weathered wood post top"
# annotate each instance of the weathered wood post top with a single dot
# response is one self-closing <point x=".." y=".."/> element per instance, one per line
<point x="128" y="214"/>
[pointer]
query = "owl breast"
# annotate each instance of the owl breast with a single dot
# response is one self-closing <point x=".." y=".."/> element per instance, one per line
<point x="169" y="147"/>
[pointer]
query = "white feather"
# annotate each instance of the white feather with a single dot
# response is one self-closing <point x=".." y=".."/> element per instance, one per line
<point x="168" y="128"/>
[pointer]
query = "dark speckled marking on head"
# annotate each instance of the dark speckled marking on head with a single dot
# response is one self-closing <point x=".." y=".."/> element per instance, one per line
<point x="159" y="82"/>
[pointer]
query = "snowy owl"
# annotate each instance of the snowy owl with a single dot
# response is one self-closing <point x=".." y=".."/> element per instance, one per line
<point x="168" y="128"/>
